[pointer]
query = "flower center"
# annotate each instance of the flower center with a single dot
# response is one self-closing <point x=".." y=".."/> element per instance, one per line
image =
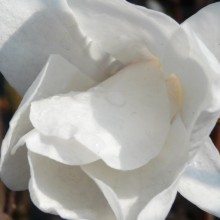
<point x="175" y="93"/>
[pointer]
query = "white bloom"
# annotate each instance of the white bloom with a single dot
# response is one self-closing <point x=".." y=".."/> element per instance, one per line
<point x="119" y="120"/>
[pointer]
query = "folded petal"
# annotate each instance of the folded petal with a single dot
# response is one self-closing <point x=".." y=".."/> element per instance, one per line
<point x="68" y="152"/>
<point x="195" y="48"/>
<point x="129" y="192"/>
<point x="178" y="60"/>
<point x="203" y="33"/>
<point x="128" y="32"/>
<point x="179" y="55"/>
<point x="200" y="181"/>
<point x="198" y="71"/>
<point x="65" y="190"/>
<point x="161" y="202"/>
<point x="31" y="30"/>
<point x="125" y="120"/>
<point x="14" y="168"/>
<point x="205" y="26"/>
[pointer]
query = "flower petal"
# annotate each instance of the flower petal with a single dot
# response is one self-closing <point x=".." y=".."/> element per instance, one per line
<point x="198" y="72"/>
<point x="178" y="60"/>
<point x="129" y="192"/>
<point x="200" y="181"/>
<point x="68" y="152"/>
<point x="65" y="190"/>
<point x="14" y="168"/>
<point x="203" y="33"/>
<point x="128" y="32"/>
<point x="31" y="30"/>
<point x="125" y="120"/>
<point x="161" y="202"/>
<point x="205" y="26"/>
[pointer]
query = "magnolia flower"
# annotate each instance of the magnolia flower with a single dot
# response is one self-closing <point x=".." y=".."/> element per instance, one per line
<point x="119" y="120"/>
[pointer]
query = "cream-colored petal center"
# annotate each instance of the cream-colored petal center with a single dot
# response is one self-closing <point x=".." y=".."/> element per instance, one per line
<point x="175" y="92"/>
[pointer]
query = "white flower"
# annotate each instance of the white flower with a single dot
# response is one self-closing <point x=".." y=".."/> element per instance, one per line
<point x="119" y="120"/>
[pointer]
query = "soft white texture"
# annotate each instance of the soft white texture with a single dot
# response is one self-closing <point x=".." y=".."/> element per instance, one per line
<point x="124" y="120"/>
<point x="68" y="152"/>
<point x="65" y="190"/>
<point x="45" y="85"/>
<point x="200" y="181"/>
<point x="130" y="33"/>
<point x="163" y="201"/>
<point x="203" y="32"/>
<point x="204" y="26"/>
<point x="31" y="30"/>
<point x="113" y="108"/>
<point x="130" y="191"/>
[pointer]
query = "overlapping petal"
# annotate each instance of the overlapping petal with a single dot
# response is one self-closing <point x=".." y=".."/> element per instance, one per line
<point x="128" y="33"/>
<point x="189" y="70"/>
<point x="68" y="152"/>
<point x="200" y="181"/>
<point x="198" y="71"/>
<point x="163" y="202"/>
<point x="31" y="30"/>
<point x="204" y="25"/>
<point x="173" y="42"/>
<point x="203" y="34"/>
<point x="125" y="120"/>
<point x="14" y="168"/>
<point x="65" y="190"/>
<point x="129" y="192"/>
